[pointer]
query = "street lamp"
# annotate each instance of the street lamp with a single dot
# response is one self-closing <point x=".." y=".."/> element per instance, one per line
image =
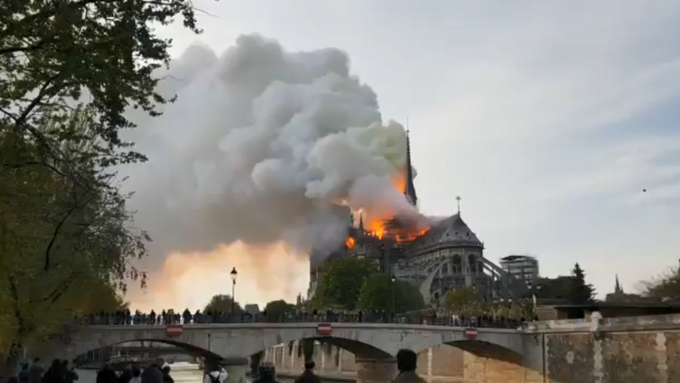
<point x="394" y="279"/>
<point x="233" y="274"/>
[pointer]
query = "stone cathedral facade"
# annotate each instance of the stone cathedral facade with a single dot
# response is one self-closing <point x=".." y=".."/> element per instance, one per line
<point x="446" y="256"/>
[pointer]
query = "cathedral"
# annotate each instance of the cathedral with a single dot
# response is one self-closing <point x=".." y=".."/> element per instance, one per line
<point x="445" y="256"/>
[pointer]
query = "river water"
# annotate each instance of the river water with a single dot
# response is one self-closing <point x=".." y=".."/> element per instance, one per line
<point x="191" y="373"/>
<point x="181" y="373"/>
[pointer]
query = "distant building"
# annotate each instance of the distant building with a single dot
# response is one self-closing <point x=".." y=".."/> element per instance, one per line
<point x="619" y="296"/>
<point x="522" y="267"/>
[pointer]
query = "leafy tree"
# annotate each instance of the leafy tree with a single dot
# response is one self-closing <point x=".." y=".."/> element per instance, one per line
<point x="53" y="52"/>
<point x="342" y="282"/>
<point x="580" y="292"/>
<point x="60" y="240"/>
<point x="554" y="290"/>
<point x="665" y="287"/>
<point x="381" y="294"/>
<point x="277" y="309"/>
<point x="223" y="304"/>
<point x="463" y="301"/>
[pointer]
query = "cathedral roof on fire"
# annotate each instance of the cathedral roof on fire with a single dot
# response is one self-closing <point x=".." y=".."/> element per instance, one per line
<point x="453" y="231"/>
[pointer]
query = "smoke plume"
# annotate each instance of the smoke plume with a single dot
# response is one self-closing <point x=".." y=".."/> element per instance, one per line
<point x="261" y="148"/>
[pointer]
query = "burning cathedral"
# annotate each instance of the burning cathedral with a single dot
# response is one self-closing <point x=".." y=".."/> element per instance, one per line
<point x="436" y="259"/>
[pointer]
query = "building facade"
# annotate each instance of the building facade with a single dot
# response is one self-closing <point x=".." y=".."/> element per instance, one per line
<point x="522" y="267"/>
<point x="445" y="256"/>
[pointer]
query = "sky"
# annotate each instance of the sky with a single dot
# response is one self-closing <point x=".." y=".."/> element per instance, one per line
<point x="548" y="119"/>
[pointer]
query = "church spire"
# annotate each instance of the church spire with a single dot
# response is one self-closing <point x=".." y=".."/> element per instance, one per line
<point x="361" y="222"/>
<point x="617" y="286"/>
<point x="410" y="191"/>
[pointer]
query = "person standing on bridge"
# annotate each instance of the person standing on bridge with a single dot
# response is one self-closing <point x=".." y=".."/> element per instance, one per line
<point x="407" y="362"/>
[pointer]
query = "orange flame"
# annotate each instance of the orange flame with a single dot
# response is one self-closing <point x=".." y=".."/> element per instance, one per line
<point x="403" y="237"/>
<point x="349" y="243"/>
<point x="376" y="228"/>
<point x="399" y="183"/>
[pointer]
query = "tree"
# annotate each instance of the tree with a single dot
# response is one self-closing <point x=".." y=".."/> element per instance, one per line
<point x="580" y="293"/>
<point x="342" y="282"/>
<point x="379" y="293"/>
<point x="665" y="287"/>
<point x="463" y="301"/>
<point x="276" y="310"/>
<point x="61" y="242"/>
<point x="53" y="52"/>
<point x="222" y="304"/>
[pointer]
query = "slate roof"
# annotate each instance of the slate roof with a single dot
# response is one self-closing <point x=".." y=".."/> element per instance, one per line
<point x="452" y="230"/>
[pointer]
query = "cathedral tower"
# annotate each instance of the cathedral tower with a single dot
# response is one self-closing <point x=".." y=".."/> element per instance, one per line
<point x="410" y="190"/>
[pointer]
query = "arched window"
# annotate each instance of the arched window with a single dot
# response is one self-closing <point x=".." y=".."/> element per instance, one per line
<point x="472" y="261"/>
<point x="456" y="264"/>
<point x="445" y="269"/>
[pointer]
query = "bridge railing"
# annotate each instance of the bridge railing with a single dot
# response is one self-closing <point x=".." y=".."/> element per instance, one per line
<point x="218" y="318"/>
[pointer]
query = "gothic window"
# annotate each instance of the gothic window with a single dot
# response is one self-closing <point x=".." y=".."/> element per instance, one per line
<point x="472" y="261"/>
<point x="456" y="264"/>
<point x="445" y="269"/>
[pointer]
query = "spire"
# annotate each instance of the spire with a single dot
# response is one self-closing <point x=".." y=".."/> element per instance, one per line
<point x="361" y="222"/>
<point x="410" y="191"/>
<point x="617" y="286"/>
<point x="458" y="200"/>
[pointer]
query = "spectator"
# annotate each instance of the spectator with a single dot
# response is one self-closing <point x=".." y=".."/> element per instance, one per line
<point x="166" y="375"/>
<point x="154" y="373"/>
<point x="407" y="362"/>
<point x="136" y="375"/>
<point x="214" y="373"/>
<point x="36" y="371"/>
<point x="308" y="375"/>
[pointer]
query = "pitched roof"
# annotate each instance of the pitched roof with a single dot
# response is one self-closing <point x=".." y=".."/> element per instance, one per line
<point x="452" y="230"/>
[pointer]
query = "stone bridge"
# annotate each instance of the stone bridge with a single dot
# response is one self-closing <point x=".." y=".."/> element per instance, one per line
<point x="373" y="344"/>
<point x="366" y="340"/>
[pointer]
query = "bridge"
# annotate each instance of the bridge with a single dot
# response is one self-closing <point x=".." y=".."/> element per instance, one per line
<point x="374" y="345"/>
<point x="610" y="350"/>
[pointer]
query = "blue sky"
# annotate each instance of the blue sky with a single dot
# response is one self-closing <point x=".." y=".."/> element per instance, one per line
<point x="547" y="118"/>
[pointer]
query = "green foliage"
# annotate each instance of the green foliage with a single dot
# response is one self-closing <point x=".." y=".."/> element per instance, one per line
<point x="96" y="55"/>
<point x="70" y="69"/>
<point x="463" y="301"/>
<point x="379" y="293"/>
<point x="580" y="292"/>
<point x="63" y="242"/>
<point x="554" y="290"/>
<point x="665" y="287"/>
<point x="277" y="309"/>
<point x="222" y="304"/>
<point x="342" y="282"/>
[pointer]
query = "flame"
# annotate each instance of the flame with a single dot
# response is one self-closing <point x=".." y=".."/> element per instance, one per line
<point x="404" y="237"/>
<point x="376" y="228"/>
<point x="349" y="243"/>
<point x="399" y="183"/>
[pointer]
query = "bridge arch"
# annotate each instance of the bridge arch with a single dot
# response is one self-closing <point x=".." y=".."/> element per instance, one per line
<point x="190" y="349"/>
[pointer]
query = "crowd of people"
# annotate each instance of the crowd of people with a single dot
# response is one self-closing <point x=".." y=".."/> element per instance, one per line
<point x="170" y="317"/>
<point x="59" y="372"/>
<point x="158" y="372"/>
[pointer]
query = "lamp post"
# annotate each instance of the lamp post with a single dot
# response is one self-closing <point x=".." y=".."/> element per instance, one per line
<point x="233" y="274"/>
<point x="394" y="280"/>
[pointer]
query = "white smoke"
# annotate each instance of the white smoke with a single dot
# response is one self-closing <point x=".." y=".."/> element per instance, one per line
<point x="261" y="146"/>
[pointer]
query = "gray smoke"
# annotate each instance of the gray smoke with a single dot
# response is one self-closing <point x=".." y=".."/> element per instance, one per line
<point x="262" y="146"/>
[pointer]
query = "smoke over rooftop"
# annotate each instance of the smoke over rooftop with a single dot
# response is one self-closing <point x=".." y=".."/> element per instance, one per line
<point x="260" y="148"/>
